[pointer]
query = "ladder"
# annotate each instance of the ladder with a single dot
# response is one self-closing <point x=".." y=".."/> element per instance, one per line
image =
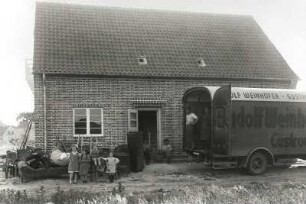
<point x="26" y="135"/>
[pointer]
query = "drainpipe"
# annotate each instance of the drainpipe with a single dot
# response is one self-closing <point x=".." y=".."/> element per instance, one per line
<point x="45" y="112"/>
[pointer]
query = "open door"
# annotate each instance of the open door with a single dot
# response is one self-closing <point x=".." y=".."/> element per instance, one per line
<point x="148" y="124"/>
<point x="221" y="121"/>
<point x="197" y="120"/>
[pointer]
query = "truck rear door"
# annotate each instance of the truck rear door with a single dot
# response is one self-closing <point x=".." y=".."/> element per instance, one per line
<point x="221" y="107"/>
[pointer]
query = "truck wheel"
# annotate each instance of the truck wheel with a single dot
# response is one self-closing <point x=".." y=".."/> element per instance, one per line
<point x="257" y="163"/>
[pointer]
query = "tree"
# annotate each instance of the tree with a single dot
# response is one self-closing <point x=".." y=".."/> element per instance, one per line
<point x="24" y="117"/>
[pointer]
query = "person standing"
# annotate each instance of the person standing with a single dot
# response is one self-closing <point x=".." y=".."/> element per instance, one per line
<point x="73" y="166"/>
<point x="166" y="150"/>
<point x="84" y="164"/>
<point x="111" y="166"/>
<point x="95" y="156"/>
<point x="191" y="120"/>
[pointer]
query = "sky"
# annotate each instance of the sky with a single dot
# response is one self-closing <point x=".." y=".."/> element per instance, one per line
<point x="283" y="21"/>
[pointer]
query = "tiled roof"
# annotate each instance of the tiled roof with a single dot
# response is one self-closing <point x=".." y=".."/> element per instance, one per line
<point x="78" y="39"/>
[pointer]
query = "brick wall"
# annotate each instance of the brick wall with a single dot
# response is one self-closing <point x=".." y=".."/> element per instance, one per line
<point x="116" y="96"/>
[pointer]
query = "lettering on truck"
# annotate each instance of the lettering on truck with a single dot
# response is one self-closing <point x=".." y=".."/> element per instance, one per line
<point x="267" y="96"/>
<point x="254" y="95"/>
<point x="280" y="141"/>
<point x="268" y="117"/>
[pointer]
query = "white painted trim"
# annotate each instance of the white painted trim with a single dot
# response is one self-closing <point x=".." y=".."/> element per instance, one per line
<point x="88" y="123"/>
<point x="159" y="139"/>
<point x="130" y="128"/>
<point x="102" y="122"/>
<point x="45" y="110"/>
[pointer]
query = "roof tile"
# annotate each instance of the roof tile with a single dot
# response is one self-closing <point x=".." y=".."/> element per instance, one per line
<point x="78" y="39"/>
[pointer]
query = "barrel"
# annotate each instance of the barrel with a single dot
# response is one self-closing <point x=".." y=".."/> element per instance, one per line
<point x="122" y="153"/>
<point x="135" y="146"/>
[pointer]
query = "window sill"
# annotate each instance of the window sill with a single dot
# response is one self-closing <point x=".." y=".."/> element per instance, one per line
<point x="88" y="135"/>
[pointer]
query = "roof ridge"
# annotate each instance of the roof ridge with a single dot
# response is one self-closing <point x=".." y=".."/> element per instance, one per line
<point x="82" y="5"/>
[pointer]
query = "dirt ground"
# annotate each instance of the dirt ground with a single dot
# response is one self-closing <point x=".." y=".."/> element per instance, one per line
<point x="168" y="177"/>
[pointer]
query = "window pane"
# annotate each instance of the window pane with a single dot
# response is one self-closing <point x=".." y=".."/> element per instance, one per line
<point x="95" y="125"/>
<point x="80" y="119"/>
<point x="133" y="123"/>
<point x="95" y="118"/>
<point x="96" y="131"/>
<point x="133" y="116"/>
<point x="80" y="131"/>
<point x="80" y="111"/>
<point x="95" y="121"/>
<point x="96" y="112"/>
<point x="80" y="125"/>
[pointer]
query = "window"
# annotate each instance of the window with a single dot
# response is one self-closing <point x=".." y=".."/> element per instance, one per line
<point x="132" y="120"/>
<point x="88" y="122"/>
<point x="142" y="60"/>
<point x="201" y="63"/>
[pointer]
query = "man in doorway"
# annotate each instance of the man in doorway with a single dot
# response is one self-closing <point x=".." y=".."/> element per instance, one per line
<point x="191" y="120"/>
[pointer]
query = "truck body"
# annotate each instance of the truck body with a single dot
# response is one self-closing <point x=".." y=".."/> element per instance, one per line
<point x="247" y="127"/>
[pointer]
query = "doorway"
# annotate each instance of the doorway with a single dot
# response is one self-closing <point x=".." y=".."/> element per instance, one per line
<point x="148" y="124"/>
<point x="198" y="102"/>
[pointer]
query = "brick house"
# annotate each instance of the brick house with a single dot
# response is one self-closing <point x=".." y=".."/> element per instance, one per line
<point x="100" y="72"/>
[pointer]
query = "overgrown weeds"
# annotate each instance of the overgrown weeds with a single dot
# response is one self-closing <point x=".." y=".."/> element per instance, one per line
<point x="251" y="193"/>
<point x="14" y="196"/>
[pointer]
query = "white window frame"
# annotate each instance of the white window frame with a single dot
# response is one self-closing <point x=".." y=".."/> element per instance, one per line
<point x="130" y="128"/>
<point x="88" y="123"/>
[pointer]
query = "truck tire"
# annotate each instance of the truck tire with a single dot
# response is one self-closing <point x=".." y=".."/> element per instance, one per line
<point x="257" y="163"/>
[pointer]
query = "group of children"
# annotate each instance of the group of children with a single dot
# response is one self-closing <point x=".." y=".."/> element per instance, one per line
<point x="79" y="164"/>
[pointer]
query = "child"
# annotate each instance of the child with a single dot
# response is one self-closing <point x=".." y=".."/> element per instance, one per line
<point x="84" y="164"/>
<point x="73" y="167"/>
<point x="111" y="166"/>
<point x="95" y="155"/>
<point x="166" y="150"/>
